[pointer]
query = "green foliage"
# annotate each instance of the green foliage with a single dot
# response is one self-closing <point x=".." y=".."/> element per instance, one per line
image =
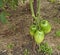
<point x="57" y="33"/>
<point x="7" y="3"/>
<point x="10" y="46"/>
<point x="52" y="1"/>
<point x="58" y="47"/>
<point x="45" y="48"/>
<point x="3" y="17"/>
<point x="26" y="52"/>
<point x="11" y="3"/>
<point x="57" y="20"/>
<point x="23" y="1"/>
<point x="1" y="3"/>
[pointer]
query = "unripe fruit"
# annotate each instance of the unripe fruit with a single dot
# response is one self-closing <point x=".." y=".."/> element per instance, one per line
<point x="39" y="36"/>
<point x="45" y="26"/>
<point x="33" y="29"/>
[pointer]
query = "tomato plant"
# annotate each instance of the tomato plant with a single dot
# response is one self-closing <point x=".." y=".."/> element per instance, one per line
<point x="43" y="26"/>
<point x="35" y="30"/>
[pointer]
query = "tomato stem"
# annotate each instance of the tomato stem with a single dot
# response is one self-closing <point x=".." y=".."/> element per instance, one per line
<point x="32" y="10"/>
<point x="35" y="14"/>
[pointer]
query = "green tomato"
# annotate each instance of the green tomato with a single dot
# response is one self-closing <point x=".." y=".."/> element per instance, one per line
<point x="39" y="36"/>
<point x="45" y="26"/>
<point x="33" y="29"/>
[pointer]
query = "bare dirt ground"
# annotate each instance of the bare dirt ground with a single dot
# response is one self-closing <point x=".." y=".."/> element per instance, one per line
<point x="17" y="32"/>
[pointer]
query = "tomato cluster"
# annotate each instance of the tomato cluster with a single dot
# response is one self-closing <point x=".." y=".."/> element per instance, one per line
<point x="37" y="34"/>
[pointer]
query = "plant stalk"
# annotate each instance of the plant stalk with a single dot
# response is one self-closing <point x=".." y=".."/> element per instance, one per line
<point x="35" y="11"/>
<point x="32" y="10"/>
<point x="38" y="8"/>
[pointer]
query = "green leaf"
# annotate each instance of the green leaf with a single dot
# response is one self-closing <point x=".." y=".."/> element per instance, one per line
<point x="1" y="3"/>
<point x="23" y="1"/>
<point x="10" y="46"/>
<point x="3" y="18"/>
<point x="13" y="4"/>
<point x="57" y="33"/>
<point x="16" y="2"/>
<point x="45" y="48"/>
<point x="52" y="1"/>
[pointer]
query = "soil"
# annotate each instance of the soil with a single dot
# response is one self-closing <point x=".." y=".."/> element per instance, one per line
<point x="16" y="32"/>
